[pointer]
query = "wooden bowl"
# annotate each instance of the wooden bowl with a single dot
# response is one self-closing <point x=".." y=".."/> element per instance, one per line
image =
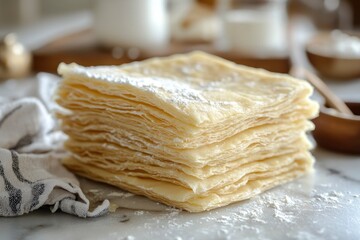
<point x="328" y="64"/>
<point x="338" y="132"/>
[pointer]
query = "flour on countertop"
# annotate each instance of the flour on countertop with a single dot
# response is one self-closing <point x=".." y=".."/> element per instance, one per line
<point x="139" y="213"/>
<point x="284" y="208"/>
<point x="283" y="216"/>
<point x="253" y="216"/>
<point x="332" y="197"/>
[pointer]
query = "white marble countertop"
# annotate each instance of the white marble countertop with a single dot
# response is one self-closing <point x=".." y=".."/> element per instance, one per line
<point x="322" y="205"/>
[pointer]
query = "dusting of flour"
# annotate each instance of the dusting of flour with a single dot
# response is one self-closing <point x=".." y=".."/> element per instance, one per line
<point x="253" y="216"/>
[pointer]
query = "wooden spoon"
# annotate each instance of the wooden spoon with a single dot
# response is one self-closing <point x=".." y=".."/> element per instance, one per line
<point x="331" y="99"/>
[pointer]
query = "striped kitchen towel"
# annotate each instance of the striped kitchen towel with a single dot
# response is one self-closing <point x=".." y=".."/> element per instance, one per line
<point x="31" y="175"/>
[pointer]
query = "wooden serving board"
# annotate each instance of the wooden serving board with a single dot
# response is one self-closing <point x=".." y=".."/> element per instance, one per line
<point x="82" y="48"/>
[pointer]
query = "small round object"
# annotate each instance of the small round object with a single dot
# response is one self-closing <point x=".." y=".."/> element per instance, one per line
<point x="337" y="131"/>
<point x="15" y="60"/>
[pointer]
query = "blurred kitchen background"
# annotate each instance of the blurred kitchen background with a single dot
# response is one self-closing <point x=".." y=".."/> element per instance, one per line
<point x="269" y="34"/>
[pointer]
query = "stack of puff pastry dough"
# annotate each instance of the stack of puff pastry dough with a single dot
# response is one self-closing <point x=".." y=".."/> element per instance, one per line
<point x="192" y="131"/>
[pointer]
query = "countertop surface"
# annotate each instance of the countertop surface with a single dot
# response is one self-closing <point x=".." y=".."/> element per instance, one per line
<point x="322" y="205"/>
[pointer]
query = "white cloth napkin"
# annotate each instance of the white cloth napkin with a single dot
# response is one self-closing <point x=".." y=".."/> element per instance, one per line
<point x="31" y="175"/>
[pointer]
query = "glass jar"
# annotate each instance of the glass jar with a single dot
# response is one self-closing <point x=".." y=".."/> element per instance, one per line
<point x="132" y="24"/>
<point x="255" y="28"/>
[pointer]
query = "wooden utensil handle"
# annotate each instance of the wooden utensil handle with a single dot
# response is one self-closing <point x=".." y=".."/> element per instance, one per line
<point x="331" y="99"/>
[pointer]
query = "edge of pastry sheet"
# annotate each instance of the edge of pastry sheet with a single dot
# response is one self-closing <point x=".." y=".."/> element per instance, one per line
<point x="180" y="99"/>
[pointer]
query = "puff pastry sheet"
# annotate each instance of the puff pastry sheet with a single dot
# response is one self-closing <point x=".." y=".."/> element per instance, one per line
<point x="281" y="170"/>
<point x="193" y="130"/>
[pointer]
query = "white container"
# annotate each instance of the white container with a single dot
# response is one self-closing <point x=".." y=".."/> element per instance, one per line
<point x="132" y="23"/>
<point x="256" y="31"/>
